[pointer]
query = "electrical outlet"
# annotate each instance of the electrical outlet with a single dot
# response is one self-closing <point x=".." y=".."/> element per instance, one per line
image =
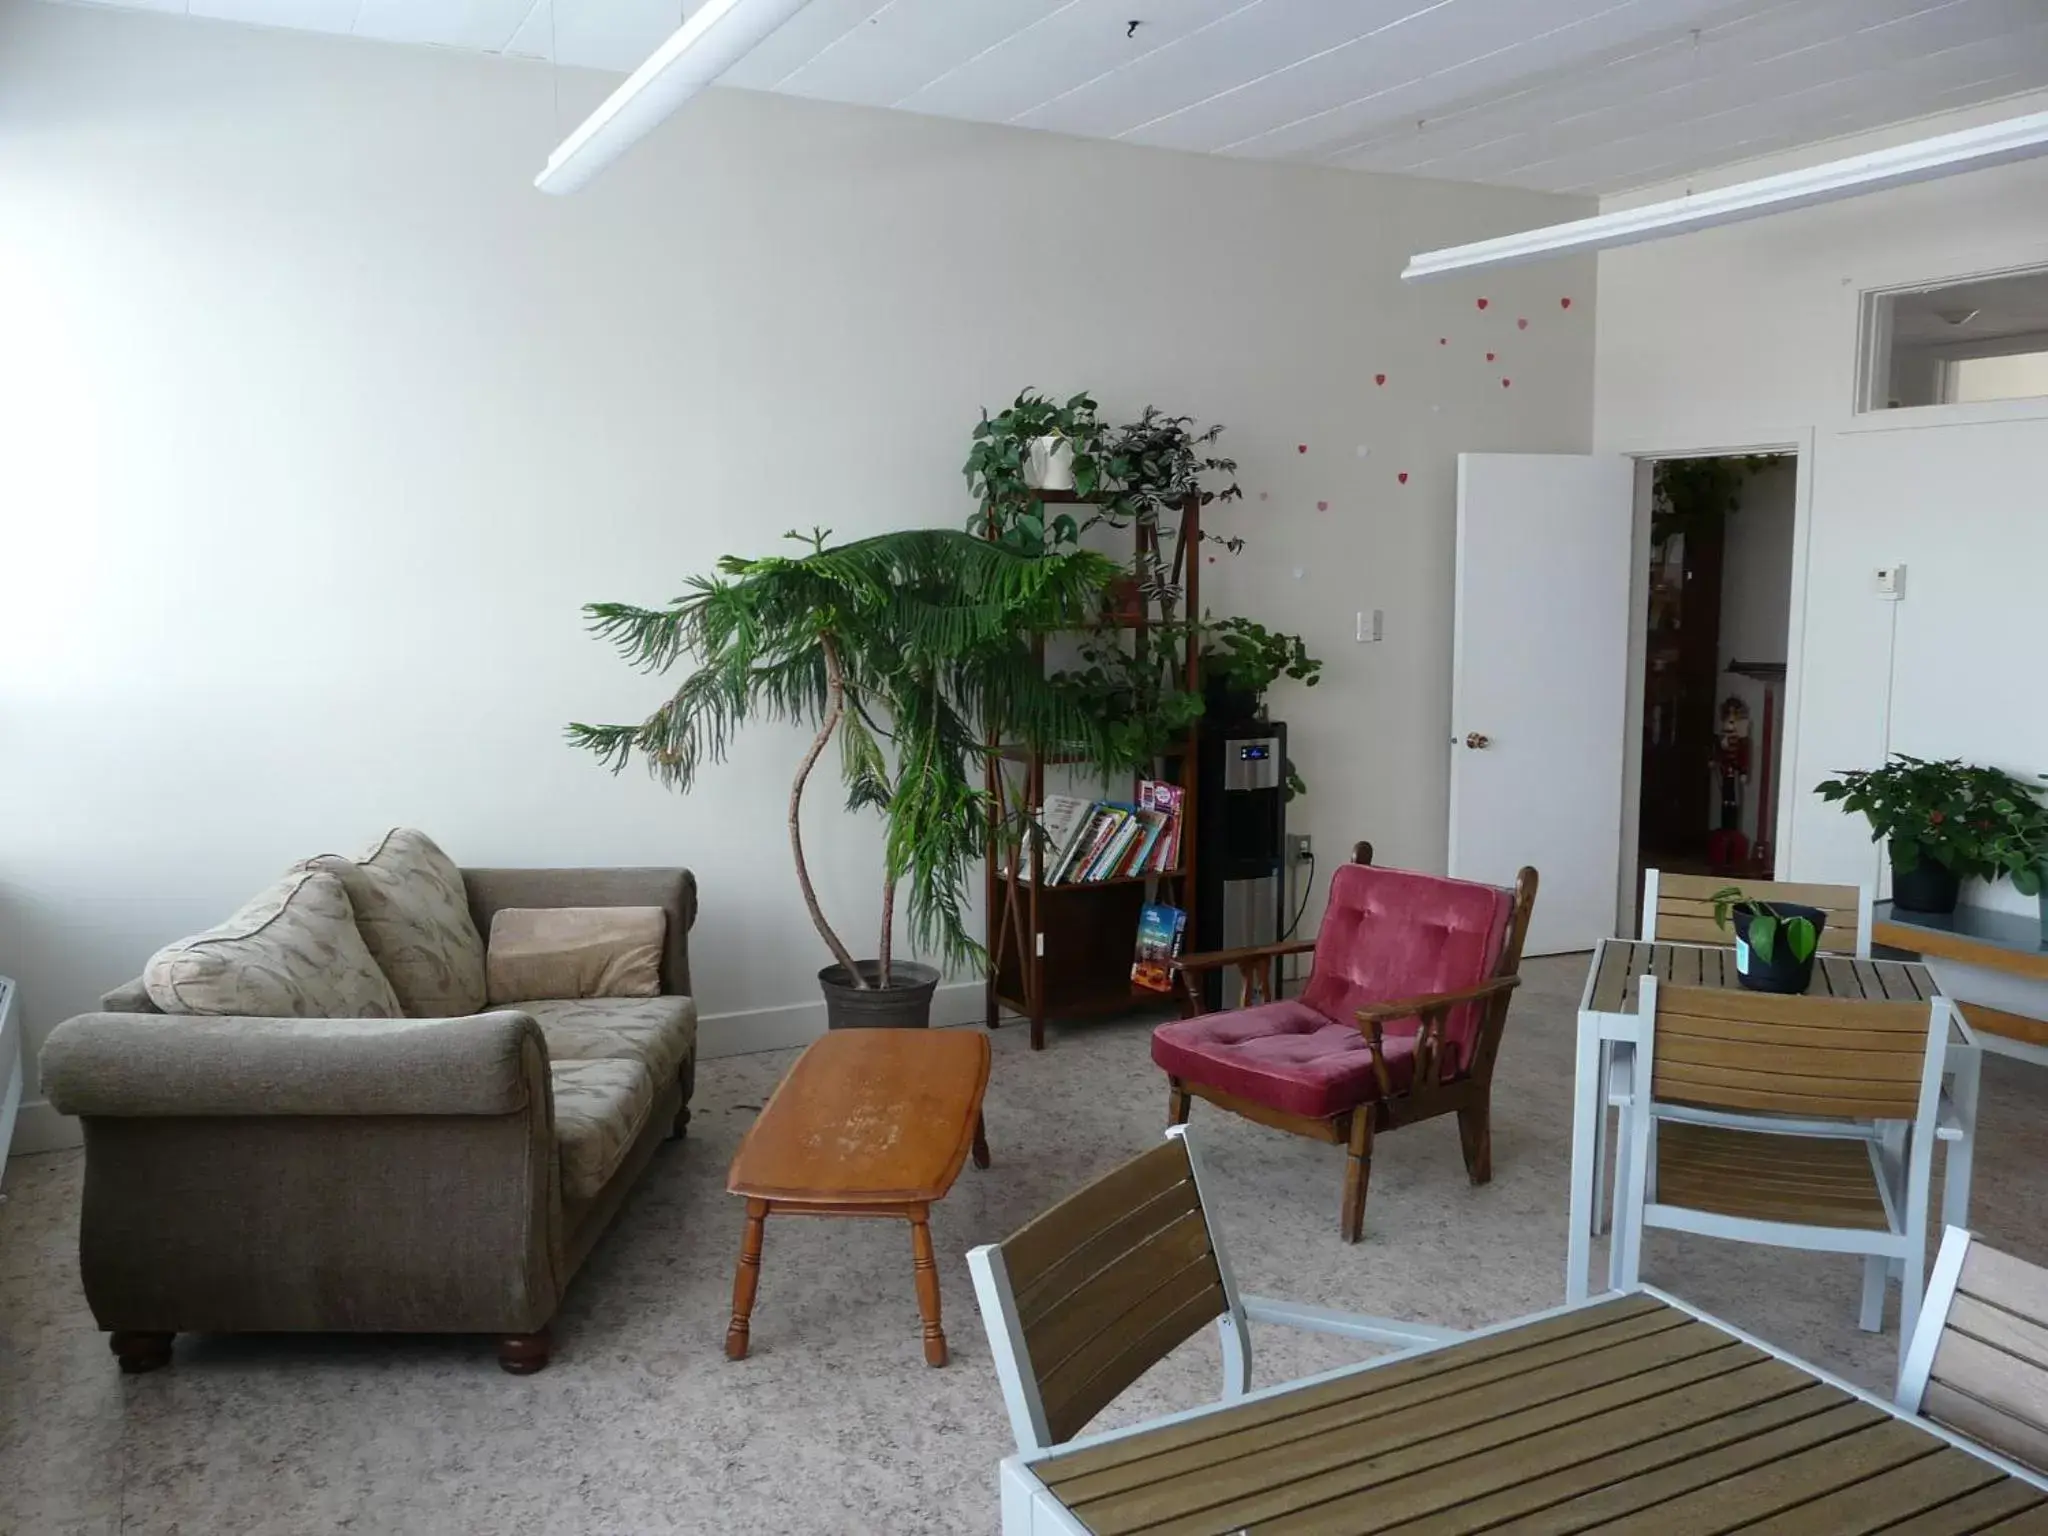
<point x="1299" y="848"/>
<point x="1891" y="582"/>
<point x="1372" y="626"/>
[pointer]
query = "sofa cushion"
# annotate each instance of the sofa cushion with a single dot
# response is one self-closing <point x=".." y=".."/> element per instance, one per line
<point x="558" y="952"/>
<point x="292" y="952"/>
<point x="600" y="1109"/>
<point x="414" y="913"/>
<point x="1283" y="1054"/>
<point x="658" y="1032"/>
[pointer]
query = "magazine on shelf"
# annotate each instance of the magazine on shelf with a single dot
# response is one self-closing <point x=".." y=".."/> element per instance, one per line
<point x="1061" y="822"/>
<point x="1166" y="798"/>
<point x="1161" y="931"/>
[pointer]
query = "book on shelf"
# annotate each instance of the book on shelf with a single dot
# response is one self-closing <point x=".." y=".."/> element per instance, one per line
<point x="1061" y="821"/>
<point x="1084" y="842"/>
<point x="1161" y="932"/>
<point x="1166" y="799"/>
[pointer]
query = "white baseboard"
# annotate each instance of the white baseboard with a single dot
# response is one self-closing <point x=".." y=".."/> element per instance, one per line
<point x="41" y="1129"/>
<point x="781" y="1029"/>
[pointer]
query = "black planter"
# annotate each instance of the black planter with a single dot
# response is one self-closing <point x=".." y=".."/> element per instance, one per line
<point x="1926" y="887"/>
<point x="906" y="1003"/>
<point x="1782" y="972"/>
<point x="1223" y="705"/>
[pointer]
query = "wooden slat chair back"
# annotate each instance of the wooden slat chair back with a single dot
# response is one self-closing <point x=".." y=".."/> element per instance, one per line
<point x="1978" y="1363"/>
<point x="1099" y="1289"/>
<point x="1679" y="909"/>
<point x="1732" y="1049"/>
<point x="1765" y="1123"/>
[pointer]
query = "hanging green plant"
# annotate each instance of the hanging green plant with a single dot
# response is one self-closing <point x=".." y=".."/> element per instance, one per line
<point x="1690" y="494"/>
<point x="999" y="465"/>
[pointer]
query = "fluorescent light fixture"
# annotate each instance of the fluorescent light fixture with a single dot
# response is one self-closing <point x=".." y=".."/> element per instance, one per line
<point x="1923" y="160"/>
<point x="718" y="34"/>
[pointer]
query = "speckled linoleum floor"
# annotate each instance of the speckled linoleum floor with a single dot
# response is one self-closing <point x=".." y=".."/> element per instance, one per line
<point x="835" y="1424"/>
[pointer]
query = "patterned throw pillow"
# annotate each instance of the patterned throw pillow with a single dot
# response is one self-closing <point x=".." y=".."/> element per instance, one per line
<point x="292" y="953"/>
<point x="413" y="910"/>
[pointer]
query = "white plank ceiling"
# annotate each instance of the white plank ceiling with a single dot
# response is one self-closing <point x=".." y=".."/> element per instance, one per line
<point x="1559" y="95"/>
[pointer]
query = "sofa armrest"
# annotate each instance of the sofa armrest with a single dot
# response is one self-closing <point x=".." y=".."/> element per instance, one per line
<point x="673" y="890"/>
<point x="139" y="1065"/>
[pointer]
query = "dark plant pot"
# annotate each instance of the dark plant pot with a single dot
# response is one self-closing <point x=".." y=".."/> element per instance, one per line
<point x="1782" y="972"/>
<point x="906" y="1003"/>
<point x="1223" y="705"/>
<point x="1124" y="599"/>
<point x="1926" y="887"/>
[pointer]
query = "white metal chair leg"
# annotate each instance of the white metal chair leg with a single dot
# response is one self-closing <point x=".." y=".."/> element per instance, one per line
<point x="1876" y="1271"/>
<point x="1619" y="1227"/>
<point x="1962" y="1154"/>
<point x="1600" y="1138"/>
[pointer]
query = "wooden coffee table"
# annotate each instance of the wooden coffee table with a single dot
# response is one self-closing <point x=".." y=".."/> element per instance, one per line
<point x="869" y="1122"/>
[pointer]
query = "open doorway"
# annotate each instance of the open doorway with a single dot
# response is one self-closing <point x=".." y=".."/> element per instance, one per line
<point x="1718" y="599"/>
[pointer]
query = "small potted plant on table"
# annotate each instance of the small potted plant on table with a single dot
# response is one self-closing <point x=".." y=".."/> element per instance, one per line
<point x="1775" y="941"/>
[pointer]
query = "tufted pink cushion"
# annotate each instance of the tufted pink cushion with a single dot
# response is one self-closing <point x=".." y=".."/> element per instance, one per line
<point x="1283" y="1054"/>
<point x="1387" y="935"/>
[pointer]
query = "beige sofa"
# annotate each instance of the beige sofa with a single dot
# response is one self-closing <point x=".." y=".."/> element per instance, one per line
<point x="379" y="1173"/>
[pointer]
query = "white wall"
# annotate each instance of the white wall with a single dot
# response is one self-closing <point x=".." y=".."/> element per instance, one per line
<point x="318" y="424"/>
<point x="1756" y="608"/>
<point x="1746" y="336"/>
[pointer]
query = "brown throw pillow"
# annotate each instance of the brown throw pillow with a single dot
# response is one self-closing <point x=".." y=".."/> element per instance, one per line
<point x="548" y="953"/>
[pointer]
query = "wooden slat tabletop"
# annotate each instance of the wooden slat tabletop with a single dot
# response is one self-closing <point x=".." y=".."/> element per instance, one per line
<point x="1621" y="963"/>
<point x="1627" y="1415"/>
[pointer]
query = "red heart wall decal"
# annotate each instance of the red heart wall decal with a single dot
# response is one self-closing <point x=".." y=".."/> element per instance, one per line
<point x="1564" y="303"/>
<point x="1322" y="506"/>
<point x="1402" y="477"/>
<point x="1521" y="325"/>
<point x="1505" y="382"/>
<point x="1482" y="303"/>
<point x="1301" y="447"/>
<point x="1443" y="341"/>
<point x="1489" y="357"/>
<point x="1379" y="378"/>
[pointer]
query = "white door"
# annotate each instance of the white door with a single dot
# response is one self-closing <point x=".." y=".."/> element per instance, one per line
<point x="1539" y="683"/>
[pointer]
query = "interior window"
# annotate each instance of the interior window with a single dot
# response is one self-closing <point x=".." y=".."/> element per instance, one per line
<point x="1986" y="339"/>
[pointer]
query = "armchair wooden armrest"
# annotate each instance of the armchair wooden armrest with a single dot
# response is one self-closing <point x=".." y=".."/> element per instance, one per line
<point x="1257" y="969"/>
<point x="1209" y="960"/>
<point x="1432" y="1011"/>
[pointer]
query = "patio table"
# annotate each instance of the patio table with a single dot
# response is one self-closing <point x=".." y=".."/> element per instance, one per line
<point x="1630" y="1413"/>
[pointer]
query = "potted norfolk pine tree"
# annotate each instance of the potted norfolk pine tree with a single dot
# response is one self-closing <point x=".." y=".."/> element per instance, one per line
<point x="914" y="651"/>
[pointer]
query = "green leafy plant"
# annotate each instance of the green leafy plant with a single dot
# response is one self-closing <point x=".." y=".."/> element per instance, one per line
<point x="1766" y="922"/>
<point x="1150" y="467"/>
<point x="1010" y="512"/>
<point x="1946" y="811"/>
<point x="1690" y="494"/>
<point x="913" y="649"/>
<point x="1129" y="682"/>
<point x="1249" y="658"/>
<point x="2016" y="843"/>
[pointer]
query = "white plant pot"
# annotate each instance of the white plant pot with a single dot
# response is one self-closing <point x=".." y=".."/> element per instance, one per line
<point x="1049" y="464"/>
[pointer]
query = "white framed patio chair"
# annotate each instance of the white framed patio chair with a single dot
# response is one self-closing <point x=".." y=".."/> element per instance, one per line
<point x="1679" y="909"/>
<point x="1977" y="1363"/>
<point x="1832" y="1176"/>
<point x="1085" y="1298"/>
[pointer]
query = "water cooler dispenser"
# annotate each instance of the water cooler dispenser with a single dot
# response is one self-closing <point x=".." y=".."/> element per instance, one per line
<point x="1241" y="833"/>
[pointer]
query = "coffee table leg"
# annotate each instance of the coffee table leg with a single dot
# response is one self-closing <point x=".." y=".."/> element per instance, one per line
<point x="980" y="1141"/>
<point x="747" y="1280"/>
<point x="927" y="1272"/>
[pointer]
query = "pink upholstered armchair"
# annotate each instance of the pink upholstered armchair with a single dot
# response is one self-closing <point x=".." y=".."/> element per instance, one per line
<point x="1400" y="1021"/>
